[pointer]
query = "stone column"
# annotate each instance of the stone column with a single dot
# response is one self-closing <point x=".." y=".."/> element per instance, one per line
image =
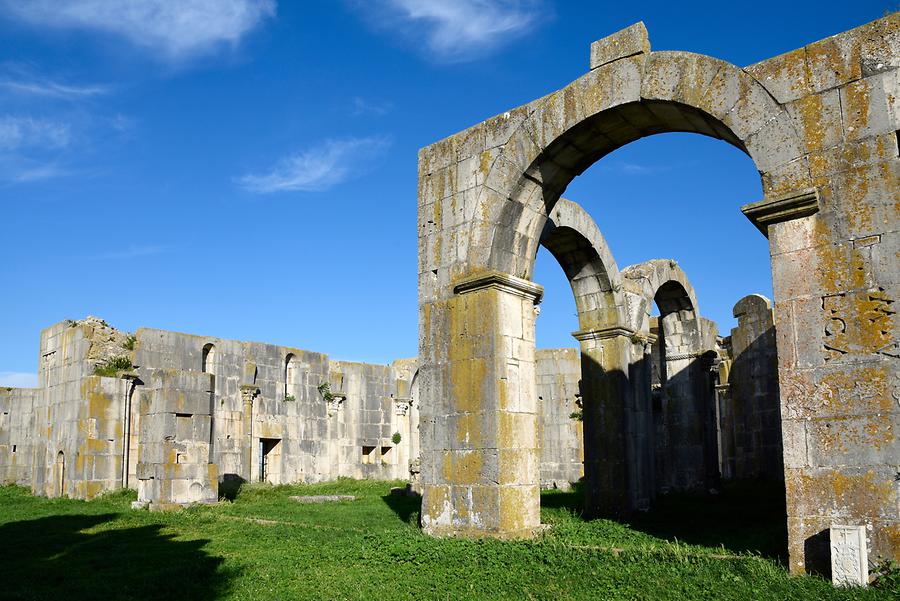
<point x="835" y="301"/>
<point x="480" y="458"/>
<point x="611" y="435"/>
<point x="249" y="392"/>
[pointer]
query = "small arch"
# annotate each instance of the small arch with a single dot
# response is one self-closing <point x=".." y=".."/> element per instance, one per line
<point x="60" y="480"/>
<point x="290" y="374"/>
<point x="575" y="241"/>
<point x="209" y="362"/>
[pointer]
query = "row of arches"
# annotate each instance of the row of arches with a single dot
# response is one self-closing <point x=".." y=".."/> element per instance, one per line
<point x="209" y="363"/>
<point x="646" y="388"/>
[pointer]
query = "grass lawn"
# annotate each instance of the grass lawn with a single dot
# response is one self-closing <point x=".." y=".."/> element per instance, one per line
<point x="264" y="546"/>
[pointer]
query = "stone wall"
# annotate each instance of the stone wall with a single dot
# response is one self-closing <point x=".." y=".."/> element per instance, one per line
<point x="558" y="374"/>
<point x="17" y="417"/>
<point x="752" y="406"/>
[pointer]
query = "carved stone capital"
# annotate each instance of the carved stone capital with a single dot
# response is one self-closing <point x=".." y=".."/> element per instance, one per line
<point x="401" y="406"/>
<point x="249" y="392"/>
<point x="603" y="333"/>
<point x="794" y="205"/>
<point x="501" y="281"/>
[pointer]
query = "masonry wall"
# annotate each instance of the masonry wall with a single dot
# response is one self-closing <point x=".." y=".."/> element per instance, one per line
<point x="558" y="373"/>
<point x="836" y="283"/>
<point x="17" y="413"/>
<point x="755" y="411"/>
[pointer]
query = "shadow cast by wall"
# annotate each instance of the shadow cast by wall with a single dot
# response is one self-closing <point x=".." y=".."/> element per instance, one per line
<point x="407" y="507"/>
<point x="53" y="558"/>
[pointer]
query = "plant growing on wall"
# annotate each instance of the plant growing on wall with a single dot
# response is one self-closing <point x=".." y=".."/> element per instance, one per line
<point x="112" y="366"/>
<point x="289" y="398"/>
<point x="396" y="438"/>
<point x="325" y="390"/>
<point x="129" y="343"/>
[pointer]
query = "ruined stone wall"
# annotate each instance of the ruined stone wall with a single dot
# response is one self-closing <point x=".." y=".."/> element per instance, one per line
<point x="558" y="373"/>
<point x="754" y="410"/>
<point x="17" y="415"/>
<point x="270" y="393"/>
<point x="78" y="418"/>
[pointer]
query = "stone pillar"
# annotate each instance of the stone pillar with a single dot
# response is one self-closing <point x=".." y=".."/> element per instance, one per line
<point x="837" y="374"/>
<point x="611" y="447"/>
<point x="479" y="419"/>
<point x="249" y="392"/>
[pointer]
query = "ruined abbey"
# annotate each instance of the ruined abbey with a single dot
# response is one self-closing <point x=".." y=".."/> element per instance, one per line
<point x="804" y="391"/>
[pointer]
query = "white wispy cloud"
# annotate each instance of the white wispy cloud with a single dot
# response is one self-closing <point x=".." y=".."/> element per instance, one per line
<point x="175" y="28"/>
<point x="629" y="168"/>
<point x="318" y="168"/>
<point x="25" y="175"/>
<point x="363" y="107"/>
<point x="18" y="379"/>
<point x="132" y="252"/>
<point x="17" y="132"/>
<point x="455" y="30"/>
<point x="52" y="89"/>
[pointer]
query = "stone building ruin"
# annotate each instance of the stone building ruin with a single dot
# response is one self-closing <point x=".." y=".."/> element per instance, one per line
<point x="820" y="124"/>
<point x="804" y="390"/>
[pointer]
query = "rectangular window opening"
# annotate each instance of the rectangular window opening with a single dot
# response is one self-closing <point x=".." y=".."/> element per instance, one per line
<point x="368" y="455"/>
<point x="14" y="448"/>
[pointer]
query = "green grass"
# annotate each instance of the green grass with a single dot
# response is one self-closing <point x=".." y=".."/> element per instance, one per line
<point x="264" y="546"/>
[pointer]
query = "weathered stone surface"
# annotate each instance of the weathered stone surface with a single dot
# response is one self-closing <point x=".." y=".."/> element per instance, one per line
<point x="822" y="119"/>
<point x="628" y="42"/>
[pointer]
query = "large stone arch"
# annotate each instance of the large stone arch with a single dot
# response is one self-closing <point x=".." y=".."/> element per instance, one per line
<point x="820" y="125"/>
<point x="566" y="132"/>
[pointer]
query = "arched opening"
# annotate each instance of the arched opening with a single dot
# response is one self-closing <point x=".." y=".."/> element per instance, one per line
<point x="477" y="298"/>
<point x="669" y="402"/>
<point x="290" y="377"/>
<point x="60" y="475"/>
<point x="209" y="361"/>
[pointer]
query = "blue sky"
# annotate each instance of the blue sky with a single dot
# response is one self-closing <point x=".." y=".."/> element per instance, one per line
<point x="247" y="168"/>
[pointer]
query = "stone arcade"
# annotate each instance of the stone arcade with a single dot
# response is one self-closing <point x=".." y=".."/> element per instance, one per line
<point x="805" y="391"/>
<point x="820" y="124"/>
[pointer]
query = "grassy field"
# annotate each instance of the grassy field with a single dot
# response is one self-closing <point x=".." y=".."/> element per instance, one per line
<point x="265" y="546"/>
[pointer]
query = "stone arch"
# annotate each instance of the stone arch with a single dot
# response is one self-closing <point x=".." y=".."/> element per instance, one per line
<point x="59" y="480"/>
<point x="664" y="282"/>
<point x="560" y="135"/>
<point x="575" y="241"/>
<point x="683" y="453"/>
<point x="290" y="374"/>
<point x="209" y="359"/>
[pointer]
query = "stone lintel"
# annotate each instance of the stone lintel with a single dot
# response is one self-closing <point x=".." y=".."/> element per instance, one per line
<point x="501" y="281"/>
<point x="630" y="41"/>
<point x="793" y="205"/>
<point x="603" y="333"/>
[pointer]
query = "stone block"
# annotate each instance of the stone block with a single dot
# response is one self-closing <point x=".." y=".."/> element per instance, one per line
<point x="630" y="41"/>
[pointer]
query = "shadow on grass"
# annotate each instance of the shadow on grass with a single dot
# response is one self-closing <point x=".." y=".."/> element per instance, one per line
<point x="746" y="516"/>
<point x="51" y="558"/>
<point x="406" y="507"/>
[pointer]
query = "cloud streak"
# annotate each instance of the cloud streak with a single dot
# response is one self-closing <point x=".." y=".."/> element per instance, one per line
<point x="18" y="132"/>
<point x="318" y="168"/>
<point x="18" y="379"/>
<point x="132" y="252"/>
<point x="176" y="29"/>
<point x="455" y="31"/>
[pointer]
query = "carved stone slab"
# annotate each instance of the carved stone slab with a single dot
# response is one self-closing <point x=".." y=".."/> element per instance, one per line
<point x="849" y="557"/>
